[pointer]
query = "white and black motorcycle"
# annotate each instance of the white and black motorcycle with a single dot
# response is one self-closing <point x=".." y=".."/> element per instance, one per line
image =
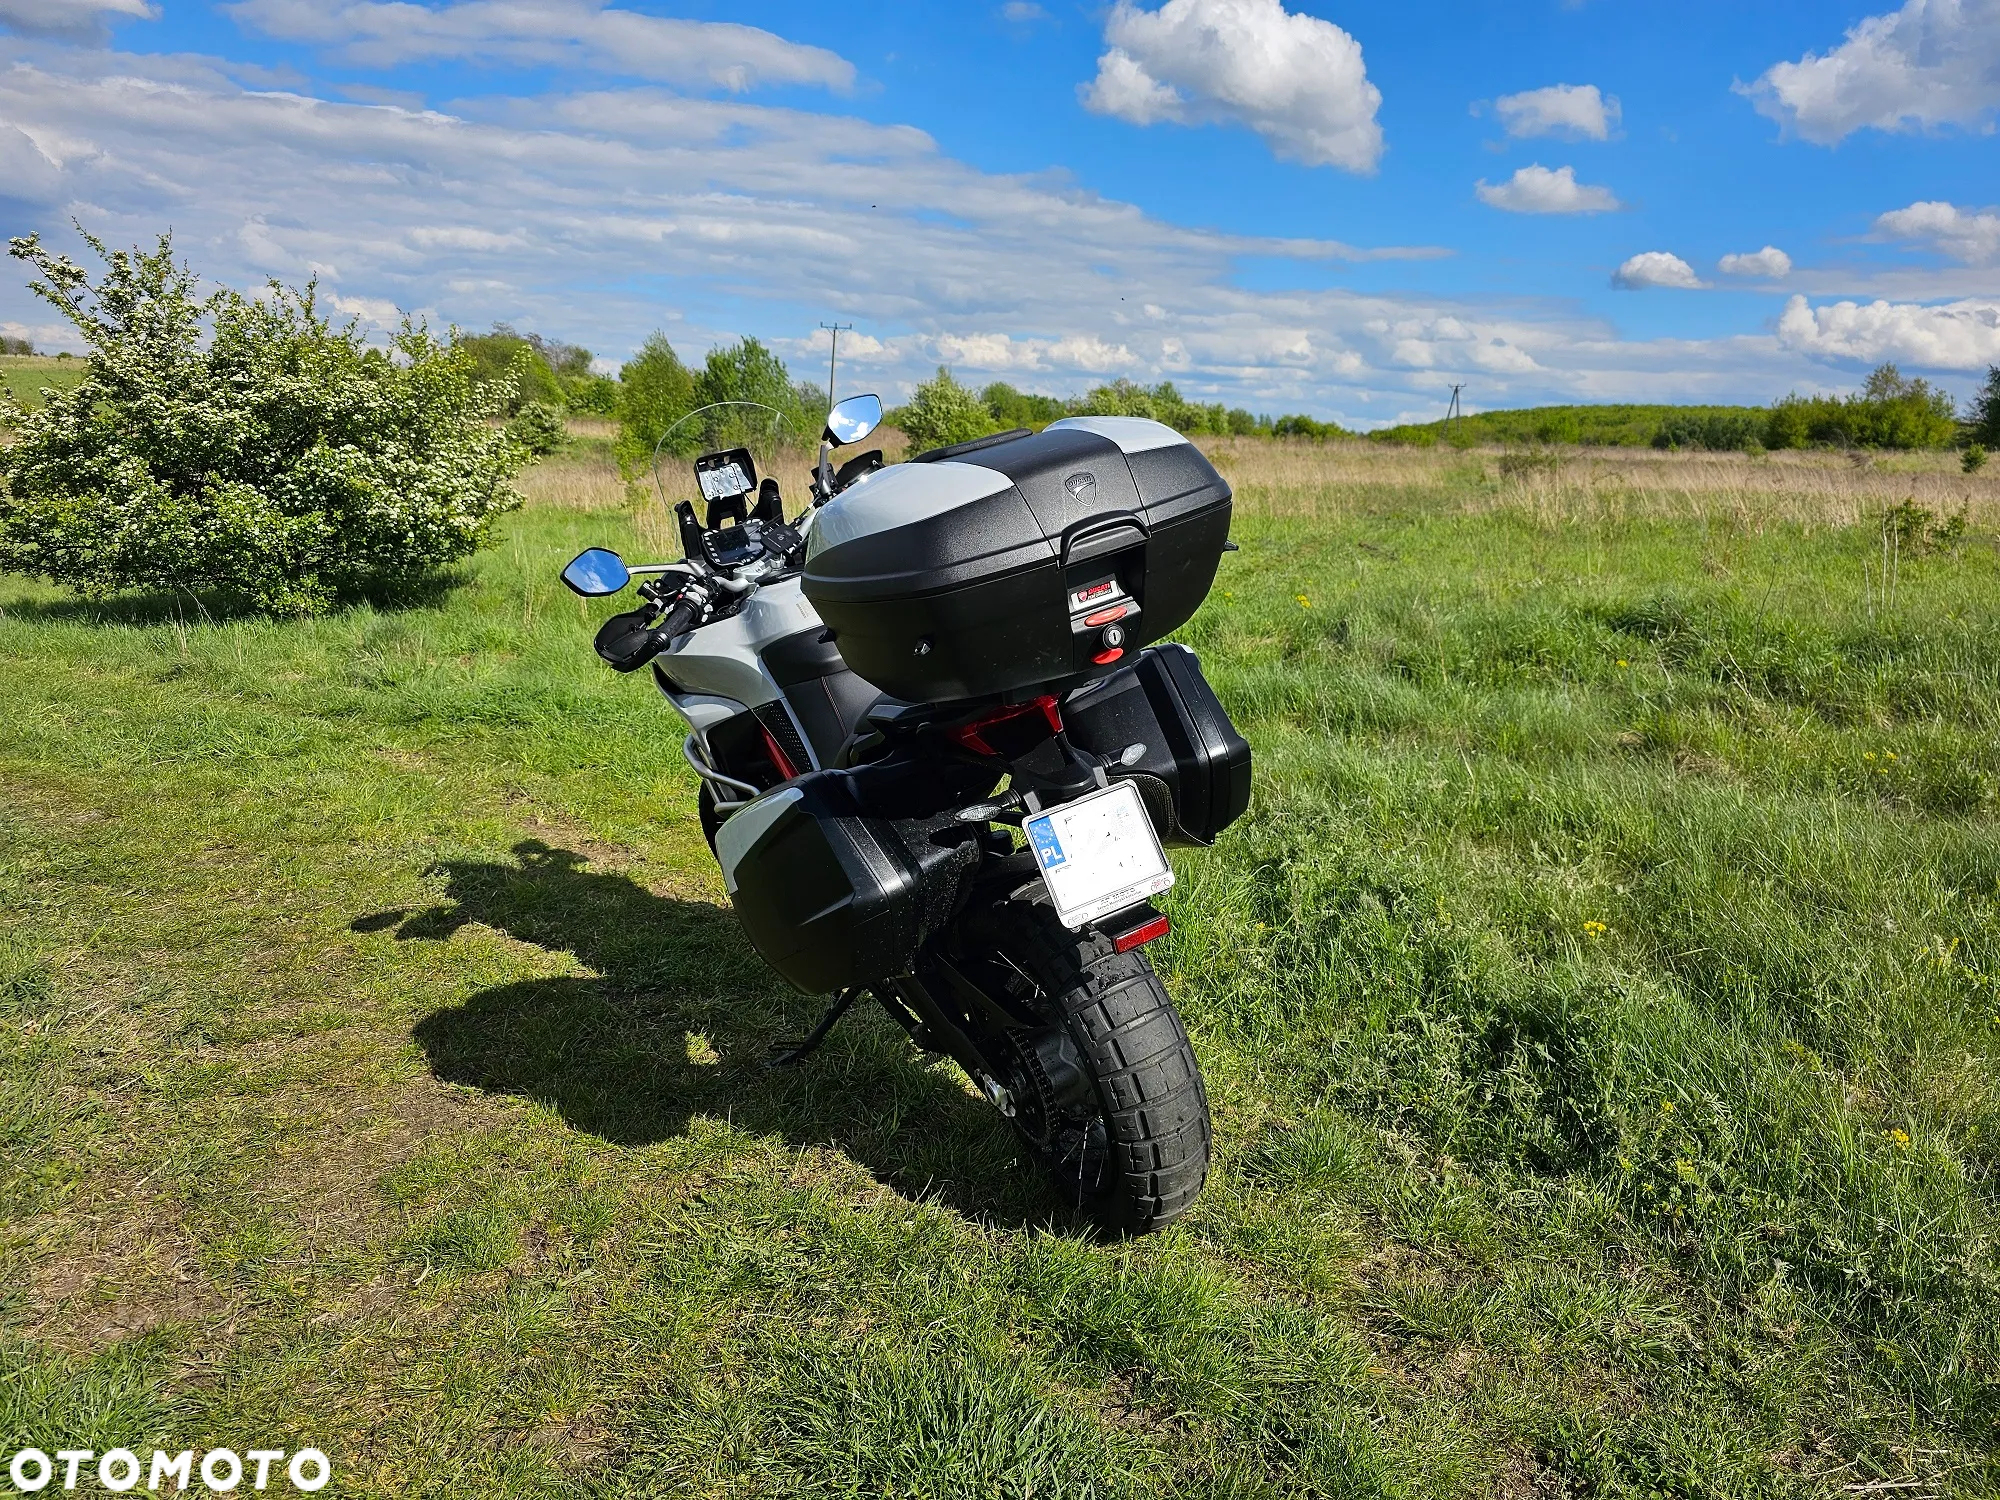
<point x="940" y="756"/>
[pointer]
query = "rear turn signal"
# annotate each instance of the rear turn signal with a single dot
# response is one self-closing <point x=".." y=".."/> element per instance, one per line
<point x="1155" y="927"/>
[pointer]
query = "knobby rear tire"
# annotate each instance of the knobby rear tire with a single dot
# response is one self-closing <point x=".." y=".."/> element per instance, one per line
<point x="1152" y="1103"/>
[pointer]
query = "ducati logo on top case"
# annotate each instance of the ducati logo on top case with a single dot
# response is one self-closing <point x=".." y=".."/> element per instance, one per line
<point x="1081" y="486"/>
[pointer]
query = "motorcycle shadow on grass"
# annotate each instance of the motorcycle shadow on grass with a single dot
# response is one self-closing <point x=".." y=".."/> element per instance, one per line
<point x="681" y="1022"/>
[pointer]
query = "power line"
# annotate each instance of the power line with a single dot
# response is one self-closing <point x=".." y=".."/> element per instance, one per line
<point x="1453" y="412"/>
<point x="833" y="360"/>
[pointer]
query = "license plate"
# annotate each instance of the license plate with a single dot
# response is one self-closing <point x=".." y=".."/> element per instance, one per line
<point x="1098" y="854"/>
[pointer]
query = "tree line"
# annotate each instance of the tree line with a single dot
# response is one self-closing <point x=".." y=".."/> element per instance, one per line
<point x="943" y="411"/>
<point x="1890" y="411"/>
<point x="655" y="390"/>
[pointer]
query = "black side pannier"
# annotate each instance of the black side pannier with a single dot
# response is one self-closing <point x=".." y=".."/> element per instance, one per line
<point x="1194" y="776"/>
<point x="1020" y="562"/>
<point x="833" y="896"/>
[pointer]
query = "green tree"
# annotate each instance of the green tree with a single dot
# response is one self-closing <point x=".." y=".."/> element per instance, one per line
<point x="1012" y="408"/>
<point x="594" y="396"/>
<point x="538" y="428"/>
<point x="11" y="345"/>
<point x="655" y="390"/>
<point x="1890" y="411"/>
<point x="942" y="412"/>
<point x="244" y="444"/>
<point x="748" y="371"/>
<point x="1986" y="411"/>
<point x="568" y="362"/>
<point x="513" y="362"/>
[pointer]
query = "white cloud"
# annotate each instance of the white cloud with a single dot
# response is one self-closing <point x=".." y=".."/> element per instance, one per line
<point x="1956" y="336"/>
<point x="1932" y="63"/>
<point x="1537" y="190"/>
<point x="1296" y="80"/>
<point x="1966" y="235"/>
<point x="373" y="312"/>
<point x="536" y="33"/>
<point x="27" y="173"/>
<point x="1021" y="12"/>
<point x="71" y="20"/>
<point x="749" y="219"/>
<point x="1770" y="261"/>
<point x="1655" y="268"/>
<point x="1571" y="111"/>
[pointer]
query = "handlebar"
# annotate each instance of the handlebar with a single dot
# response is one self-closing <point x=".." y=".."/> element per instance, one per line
<point x="679" y="620"/>
<point x="628" y="642"/>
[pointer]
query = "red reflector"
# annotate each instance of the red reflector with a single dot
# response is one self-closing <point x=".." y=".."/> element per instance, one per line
<point x="1106" y="658"/>
<point x="1139" y="936"/>
<point x="1106" y="616"/>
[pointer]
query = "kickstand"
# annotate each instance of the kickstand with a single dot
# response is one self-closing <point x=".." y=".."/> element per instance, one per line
<point x="792" y="1056"/>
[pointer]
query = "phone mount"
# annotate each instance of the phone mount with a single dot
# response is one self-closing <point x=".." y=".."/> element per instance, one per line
<point x="727" y="481"/>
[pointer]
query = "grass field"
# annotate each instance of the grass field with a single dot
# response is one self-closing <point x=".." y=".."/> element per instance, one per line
<point x="1601" y="1006"/>
<point x="1597" y="424"/>
<point x="24" y="375"/>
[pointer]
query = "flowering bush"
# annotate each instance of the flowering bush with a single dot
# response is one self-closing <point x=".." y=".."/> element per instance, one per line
<point x="538" y="429"/>
<point x="244" y="445"/>
<point x="943" y="412"/>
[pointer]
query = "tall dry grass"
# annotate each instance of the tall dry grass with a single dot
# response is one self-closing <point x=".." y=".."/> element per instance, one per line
<point x="585" y="477"/>
<point x="1329" y="480"/>
<point x="1554" y="487"/>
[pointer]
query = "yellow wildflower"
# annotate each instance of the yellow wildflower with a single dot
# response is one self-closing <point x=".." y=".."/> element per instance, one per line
<point x="1304" y="602"/>
<point x="1666" y="1106"/>
<point x="1623" y="663"/>
<point x="1594" y="929"/>
<point x="1900" y="1139"/>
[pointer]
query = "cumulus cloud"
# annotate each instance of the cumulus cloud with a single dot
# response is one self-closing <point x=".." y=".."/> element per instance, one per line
<point x="1655" y="268"/>
<point x="1966" y="235"/>
<point x="1537" y="190"/>
<point x="1932" y="63"/>
<point x="1954" y="336"/>
<point x="83" y="21"/>
<point x="585" y="34"/>
<point x="775" y="219"/>
<point x="1770" y="261"/>
<point x="1002" y="353"/>
<point x="1570" y="111"/>
<point x="1296" y="80"/>
<point x="27" y="172"/>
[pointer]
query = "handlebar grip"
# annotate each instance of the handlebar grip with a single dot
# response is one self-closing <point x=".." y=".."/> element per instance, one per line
<point x="680" y="619"/>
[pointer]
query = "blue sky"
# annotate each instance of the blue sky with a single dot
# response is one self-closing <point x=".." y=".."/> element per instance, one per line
<point x="1287" y="204"/>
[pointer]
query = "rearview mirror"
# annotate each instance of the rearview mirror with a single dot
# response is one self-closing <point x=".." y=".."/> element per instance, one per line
<point x="853" y="419"/>
<point x="596" y="573"/>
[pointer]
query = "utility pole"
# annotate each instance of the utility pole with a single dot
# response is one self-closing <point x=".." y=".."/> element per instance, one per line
<point x="1453" y="412"/>
<point x="833" y="360"/>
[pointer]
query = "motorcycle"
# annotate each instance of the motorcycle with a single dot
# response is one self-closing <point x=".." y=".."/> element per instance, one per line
<point x="941" y="755"/>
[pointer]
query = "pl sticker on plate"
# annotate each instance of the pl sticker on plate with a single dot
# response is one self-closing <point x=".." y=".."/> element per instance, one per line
<point x="1099" y="854"/>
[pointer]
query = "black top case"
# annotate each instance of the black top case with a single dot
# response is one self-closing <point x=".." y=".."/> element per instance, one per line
<point x="1017" y="562"/>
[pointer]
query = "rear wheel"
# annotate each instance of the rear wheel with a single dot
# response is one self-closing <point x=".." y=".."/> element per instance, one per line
<point x="1128" y="1145"/>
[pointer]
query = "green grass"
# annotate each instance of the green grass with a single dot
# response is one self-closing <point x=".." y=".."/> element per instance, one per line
<point x="1601" y="1006"/>
<point x="24" y="375"/>
<point x="1607" y="426"/>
